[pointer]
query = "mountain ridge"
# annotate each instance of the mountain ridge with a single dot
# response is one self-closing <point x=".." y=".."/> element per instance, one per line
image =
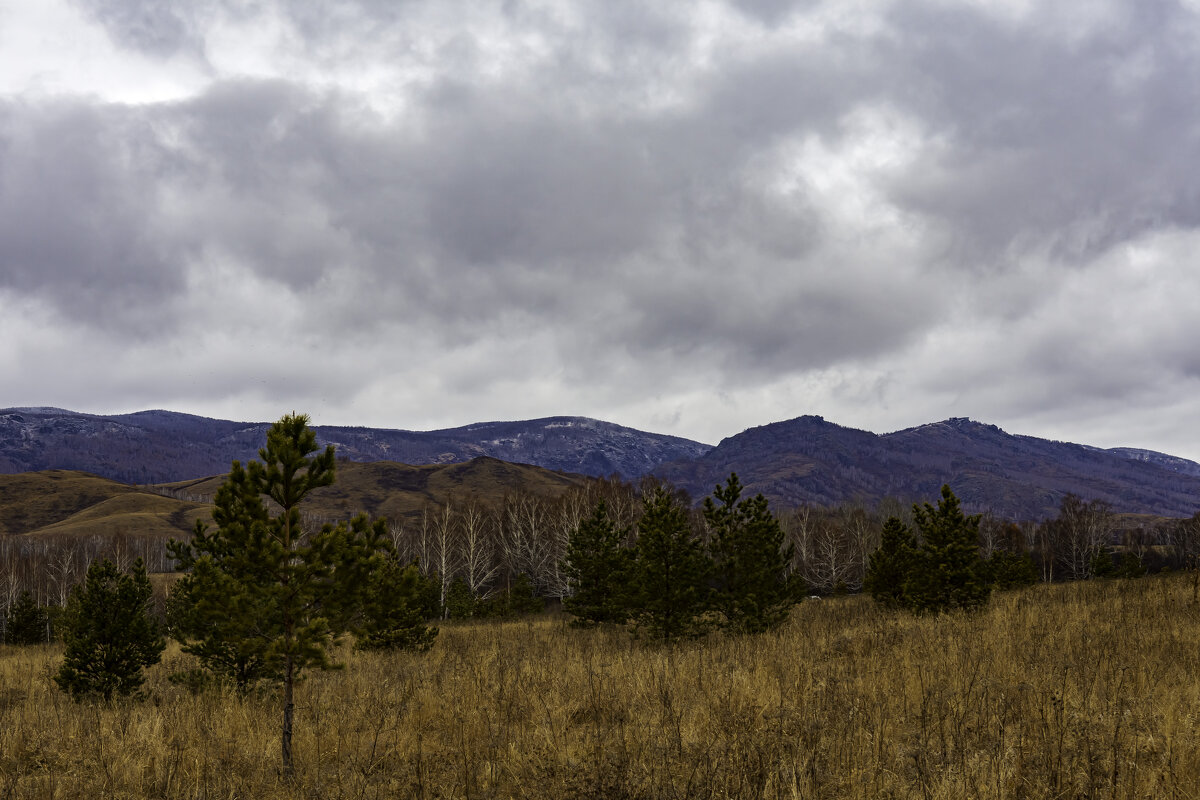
<point x="157" y="446"/>
<point x="804" y="460"/>
<point x="808" y="460"/>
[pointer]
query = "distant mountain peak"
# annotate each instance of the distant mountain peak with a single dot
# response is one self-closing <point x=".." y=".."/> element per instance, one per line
<point x="807" y="460"/>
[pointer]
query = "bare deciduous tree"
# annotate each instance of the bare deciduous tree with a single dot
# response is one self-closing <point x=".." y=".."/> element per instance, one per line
<point x="1078" y="533"/>
<point x="478" y="558"/>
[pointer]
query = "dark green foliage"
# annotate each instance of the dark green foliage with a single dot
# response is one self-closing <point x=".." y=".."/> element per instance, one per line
<point x="1130" y="565"/>
<point x="429" y="595"/>
<point x="947" y="572"/>
<point x="109" y="634"/>
<point x="264" y="598"/>
<point x="517" y="600"/>
<point x="1007" y="570"/>
<point x="226" y="646"/>
<point x="673" y="571"/>
<point x="25" y="622"/>
<point x="1107" y="564"/>
<point x="460" y="600"/>
<point x="393" y="616"/>
<point x="261" y="594"/>
<point x="754" y="590"/>
<point x="889" y="566"/>
<point x="1102" y="565"/>
<point x="599" y="571"/>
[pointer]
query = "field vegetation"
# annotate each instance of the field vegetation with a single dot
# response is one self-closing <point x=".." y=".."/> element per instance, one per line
<point x="1077" y="690"/>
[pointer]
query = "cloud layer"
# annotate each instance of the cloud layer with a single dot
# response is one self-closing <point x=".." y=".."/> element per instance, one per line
<point x="690" y="218"/>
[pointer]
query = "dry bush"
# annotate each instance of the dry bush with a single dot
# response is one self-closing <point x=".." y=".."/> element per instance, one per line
<point x="1062" y="691"/>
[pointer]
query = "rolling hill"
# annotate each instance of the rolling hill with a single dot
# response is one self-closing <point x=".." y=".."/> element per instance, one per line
<point x="64" y="503"/>
<point x="395" y="491"/>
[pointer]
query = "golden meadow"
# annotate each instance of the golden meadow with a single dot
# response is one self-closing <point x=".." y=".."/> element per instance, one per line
<point x="1080" y="690"/>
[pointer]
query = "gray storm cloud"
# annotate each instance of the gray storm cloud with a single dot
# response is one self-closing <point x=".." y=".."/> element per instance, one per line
<point x="756" y="199"/>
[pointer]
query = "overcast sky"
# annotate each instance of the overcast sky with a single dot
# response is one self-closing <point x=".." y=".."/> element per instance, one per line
<point x="690" y="217"/>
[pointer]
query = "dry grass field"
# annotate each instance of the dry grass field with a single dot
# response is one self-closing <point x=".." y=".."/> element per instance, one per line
<point x="1062" y="691"/>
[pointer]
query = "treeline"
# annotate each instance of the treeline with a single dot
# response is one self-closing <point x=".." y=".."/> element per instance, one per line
<point x="45" y="569"/>
<point x="494" y="559"/>
<point x="1086" y="539"/>
<point x="467" y="543"/>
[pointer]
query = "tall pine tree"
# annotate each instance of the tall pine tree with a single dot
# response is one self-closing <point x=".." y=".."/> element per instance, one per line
<point x="947" y="571"/>
<point x="673" y="570"/>
<point x="109" y="633"/>
<point x="598" y="571"/>
<point x="754" y="590"/>
<point x="264" y="599"/>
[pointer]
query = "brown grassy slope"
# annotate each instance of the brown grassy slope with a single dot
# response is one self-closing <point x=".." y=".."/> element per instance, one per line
<point x="1068" y="691"/>
<point x="59" y="502"/>
<point x="33" y="500"/>
<point x="396" y="491"/>
<point x="132" y="514"/>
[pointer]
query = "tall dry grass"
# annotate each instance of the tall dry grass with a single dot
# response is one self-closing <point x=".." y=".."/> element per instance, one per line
<point x="1071" y="691"/>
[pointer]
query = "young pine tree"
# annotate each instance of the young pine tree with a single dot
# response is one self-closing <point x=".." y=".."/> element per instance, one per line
<point x="1130" y="566"/>
<point x="754" y="590"/>
<point x="461" y="602"/>
<point x="672" y="572"/>
<point x="25" y="621"/>
<point x="1008" y="570"/>
<point x="263" y="599"/>
<point x="598" y="571"/>
<point x="889" y="566"/>
<point x="109" y="634"/>
<point x="1103" y="565"/>
<point x="393" y="610"/>
<point x="947" y="572"/>
<point x="518" y="599"/>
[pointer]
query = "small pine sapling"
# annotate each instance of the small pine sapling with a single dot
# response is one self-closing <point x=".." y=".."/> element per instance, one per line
<point x="25" y="621"/>
<point x="109" y="634"/>
<point x="888" y="567"/>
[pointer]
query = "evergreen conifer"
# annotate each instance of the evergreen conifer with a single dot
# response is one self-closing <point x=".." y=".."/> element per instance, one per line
<point x="888" y="567"/>
<point x="754" y="590"/>
<point x="673" y="571"/>
<point x="460" y="600"/>
<point x="947" y="572"/>
<point x="516" y="600"/>
<point x="393" y="617"/>
<point x="1008" y="570"/>
<point x="25" y="621"/>
<point x="264" y="599"/>
<point x="598" y="571"/>
<point x="1130" y="566"/>
<point x="109" y="634"/>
